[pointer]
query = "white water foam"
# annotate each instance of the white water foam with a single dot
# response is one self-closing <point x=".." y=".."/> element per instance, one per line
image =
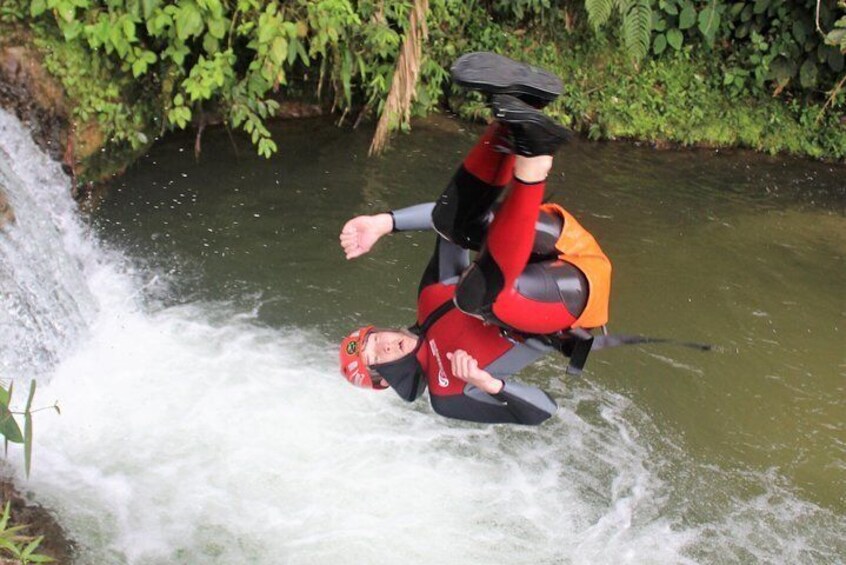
<point x="192" y="434"/>
<point x="189" y="441"/>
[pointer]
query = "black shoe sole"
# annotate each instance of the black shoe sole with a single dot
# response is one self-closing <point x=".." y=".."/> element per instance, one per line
<point x="495" y="74"/>
<point x="511" y="110"/>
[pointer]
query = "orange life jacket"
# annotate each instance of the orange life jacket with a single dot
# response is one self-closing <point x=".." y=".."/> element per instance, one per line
<point x="579" y="248"/>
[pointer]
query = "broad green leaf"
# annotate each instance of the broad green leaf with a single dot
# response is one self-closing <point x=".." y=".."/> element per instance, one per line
<point x="189" y="21"/>
<point x="72" y="30"/>
<point x="675" y="39"/>
<point x="303" y="55"/>
<point x="211" y="44"/>
<point x="267" y="30"/>
<point x="4" y="396"/>
<point x="37" y="8"/>
<point x="687" y="17"/>
<point x="177" y="53"/>
<point x="671" y="8"/>
<point x="660" y="44"/>
<point x="808" y="74"/>
<point x="217" y="28"/>
<point x="148" y="7"/>
<point x="736" y="8"/>
<point x="761" y="6"/>
<point x="835" y="60"/>
<point x="709" y="21"/>
<point x="279" y="50"/>
<point x="66" y="11"/>
<point x="782" y="70"/>
<point x="8" y="426"/>
<point x="129" y="29"/>
<point x="835" y="37"/>
<point x="800" y="31"/>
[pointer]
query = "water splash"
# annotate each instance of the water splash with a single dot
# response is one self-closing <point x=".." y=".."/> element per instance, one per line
<point x="195" y="434"/>
<point x="45" y="302"/>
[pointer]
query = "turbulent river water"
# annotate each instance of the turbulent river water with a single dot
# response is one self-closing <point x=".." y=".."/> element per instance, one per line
<point x="187" y="329"/>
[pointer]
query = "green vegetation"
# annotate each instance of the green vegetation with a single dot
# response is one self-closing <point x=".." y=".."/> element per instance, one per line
<point x="766" y="74"/>
<point x="15" y="545"/>
<point x="9" y="428"/>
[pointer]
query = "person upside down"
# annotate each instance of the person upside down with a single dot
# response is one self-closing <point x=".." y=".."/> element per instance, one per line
<point x="538" y="273"/>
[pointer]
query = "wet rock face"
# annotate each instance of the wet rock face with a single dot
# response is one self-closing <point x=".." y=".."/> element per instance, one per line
<point x="33" y="95"/>
<point x="39" y="522"/>
<point x="7" y="215"/>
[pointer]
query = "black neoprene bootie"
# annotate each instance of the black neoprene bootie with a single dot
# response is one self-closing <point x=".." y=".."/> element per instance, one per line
<point x="531" y="132"/>
<point x="495" y="74"/>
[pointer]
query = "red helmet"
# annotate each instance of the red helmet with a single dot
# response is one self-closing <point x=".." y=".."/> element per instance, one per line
<point x="353" y="366"/>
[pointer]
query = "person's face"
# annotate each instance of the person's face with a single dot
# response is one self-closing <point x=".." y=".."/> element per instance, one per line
<point x="384" y="346"/>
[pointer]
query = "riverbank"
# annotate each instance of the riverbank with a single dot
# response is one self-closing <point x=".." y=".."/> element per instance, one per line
<point x="675" y="101"/>
<point x="39" y="522"/>
<point x="100" y="113"/>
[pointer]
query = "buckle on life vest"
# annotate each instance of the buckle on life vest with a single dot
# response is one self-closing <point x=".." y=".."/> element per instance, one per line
<point x="575" y="344"/>
<point x="581" y="343"/>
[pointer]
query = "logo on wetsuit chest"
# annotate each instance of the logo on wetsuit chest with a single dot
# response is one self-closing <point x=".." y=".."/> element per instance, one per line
<point x="443" y="380"/>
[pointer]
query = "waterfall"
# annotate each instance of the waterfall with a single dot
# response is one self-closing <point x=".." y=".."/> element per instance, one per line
<point x="45" y="300"/>
<point x="195" y="434"/>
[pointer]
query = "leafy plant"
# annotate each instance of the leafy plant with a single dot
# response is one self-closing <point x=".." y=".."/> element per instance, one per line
<point x="9" y="428"/>
<point x="139" y="68"/>
<point x="837" y="39"/>
<point x="636" y="16"/>
<point x="20" y="547"/>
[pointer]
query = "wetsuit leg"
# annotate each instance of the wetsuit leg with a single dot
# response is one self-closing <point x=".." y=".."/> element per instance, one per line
<point x="463" y="211"/>
<point x="503" y="287"/>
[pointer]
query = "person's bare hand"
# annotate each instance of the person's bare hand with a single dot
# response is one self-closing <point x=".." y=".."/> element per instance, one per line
<point x="466" y="368"/>
<point x="360" y="234"/>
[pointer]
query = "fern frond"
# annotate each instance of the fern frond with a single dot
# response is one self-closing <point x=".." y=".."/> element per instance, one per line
<point x="637" y="28"/>
<point x="598" y="11"/>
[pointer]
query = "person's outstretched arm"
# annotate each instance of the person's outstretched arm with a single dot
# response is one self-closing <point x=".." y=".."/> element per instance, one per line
<point x="360" y="234"/>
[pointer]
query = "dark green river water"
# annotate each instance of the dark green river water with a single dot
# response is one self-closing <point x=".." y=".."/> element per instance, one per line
<point x="743" y="251"/>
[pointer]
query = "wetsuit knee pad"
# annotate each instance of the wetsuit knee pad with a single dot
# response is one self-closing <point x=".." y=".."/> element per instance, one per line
<point x="547" y="232"/>
<point x="478" y="288"/>
<point x="463" y="211"/>
<point x="555" y="281"/>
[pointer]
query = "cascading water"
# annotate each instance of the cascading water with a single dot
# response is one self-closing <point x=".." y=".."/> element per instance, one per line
<point x="189" y="434"/>
<point x="44" y="301"/>
<point x="194" y="434"/>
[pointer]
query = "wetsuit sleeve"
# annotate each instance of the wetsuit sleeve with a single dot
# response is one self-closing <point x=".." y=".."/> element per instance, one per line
<point x="516" y="403"/>
<point x="446" y="265"/>
<point x="418" y="217"/>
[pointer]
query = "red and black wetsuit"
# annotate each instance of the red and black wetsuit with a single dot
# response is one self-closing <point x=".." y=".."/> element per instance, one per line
<point x="521" y="280"/>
